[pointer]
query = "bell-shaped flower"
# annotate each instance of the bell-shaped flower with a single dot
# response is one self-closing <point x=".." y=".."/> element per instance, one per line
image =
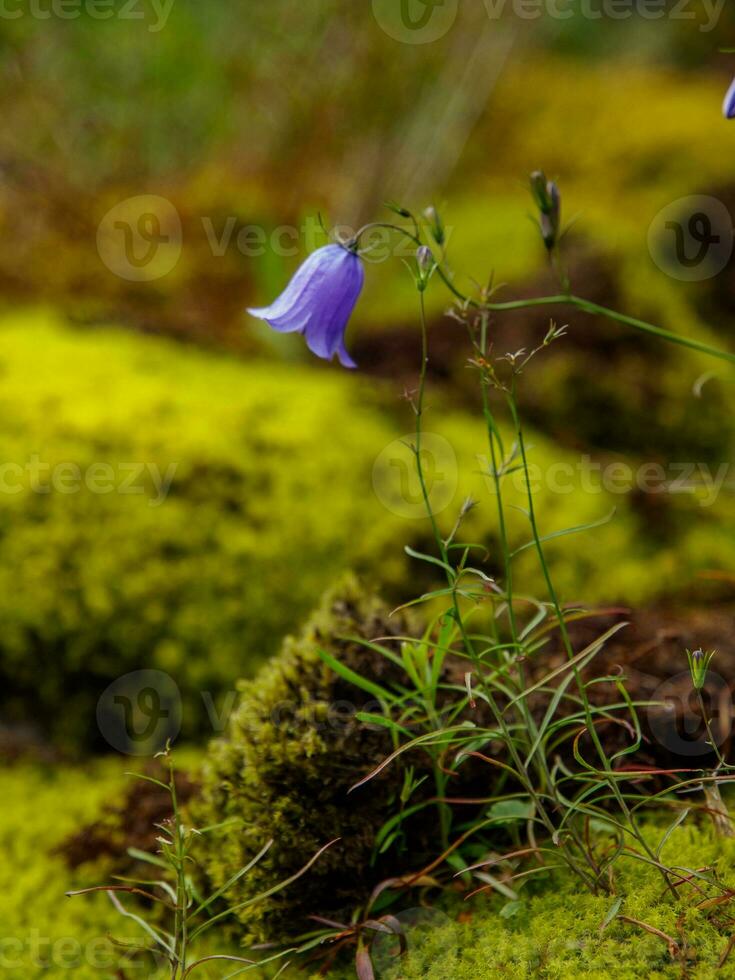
<point x="319" y="301"/>
<point x="728" y="106"/>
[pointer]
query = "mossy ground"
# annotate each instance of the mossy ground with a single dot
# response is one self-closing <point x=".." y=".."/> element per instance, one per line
<point x="554" y="932"/>
<point x="44" y="934"/>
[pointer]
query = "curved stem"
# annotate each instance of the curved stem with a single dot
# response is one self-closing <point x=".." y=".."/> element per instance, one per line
<point x="492" y="435"/>
<point x="560" y="299"/>
<point x="595" y="309"/>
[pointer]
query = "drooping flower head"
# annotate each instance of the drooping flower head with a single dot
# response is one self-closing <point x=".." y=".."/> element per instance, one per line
<point x="728" y="106"/>
<point x="319" y="301"/>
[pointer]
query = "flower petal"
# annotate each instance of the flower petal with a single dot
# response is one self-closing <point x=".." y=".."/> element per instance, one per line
<point x="319" y="301"/>
<point x="728" y="106"/>
<point x="326" y="331"/>
<point x="344" y="358"/>
<point x="304" y="280"/>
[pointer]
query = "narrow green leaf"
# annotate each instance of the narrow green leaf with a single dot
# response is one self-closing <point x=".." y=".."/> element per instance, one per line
<point x="511" y="811"/>
<point x="354" y="678"/>
<point x="262" y="895"/>
<point x="510" y="909"/>
<point x="681" y="817"/>
<point x="431" y="560"/>
<point x="139" y="855"/>
<point x="383" y="720"/>
<point x="589" y="651"/>
<point x="566" y="531"/>
<point x="612" y="913"/>
<point x="231" y="881"/>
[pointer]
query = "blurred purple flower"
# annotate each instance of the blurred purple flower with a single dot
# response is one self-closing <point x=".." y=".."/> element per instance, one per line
<point x="319" y="301"/>
<point x="728" y="106"/>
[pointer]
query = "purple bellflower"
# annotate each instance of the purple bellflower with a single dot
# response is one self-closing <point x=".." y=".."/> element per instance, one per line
<point x="319" y="301"/>
<point x="728" y="106"/>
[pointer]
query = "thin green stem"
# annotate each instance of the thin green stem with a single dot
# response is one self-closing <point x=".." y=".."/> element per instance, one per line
<point x="721" y="763"/>
<point x="566" y="299"/>
<point x="180" y="918"/>
<point x="492" y="434"/>
<point x="595" y="309"/>
<point x="589" y="881"/>
<point x="441" y="544"/>
<point x="589" y="720"/>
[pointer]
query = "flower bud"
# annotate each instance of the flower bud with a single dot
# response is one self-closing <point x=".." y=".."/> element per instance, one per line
<point x="398" y="209"/>
<point x="699" y="662"/>
<point x="436" y="224"/>
<point x="424" y="259"/>
<point x="551" y="218"/>
<point x="540" y="191"/>
<point x="426" y="264"/>
<point x="548" y="200"/>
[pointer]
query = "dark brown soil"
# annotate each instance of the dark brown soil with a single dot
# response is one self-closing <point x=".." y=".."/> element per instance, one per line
<point x="650" y="653"/>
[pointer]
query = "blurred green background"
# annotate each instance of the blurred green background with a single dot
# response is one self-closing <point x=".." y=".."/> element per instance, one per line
<point x="235" y="126"/>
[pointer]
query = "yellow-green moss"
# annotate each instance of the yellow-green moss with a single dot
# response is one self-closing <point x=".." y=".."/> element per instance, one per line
<point x="292" y="752"/>
<point x="268" y="502"/>
<point x="556" y="932"/>
<point x="44" y="934"/>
